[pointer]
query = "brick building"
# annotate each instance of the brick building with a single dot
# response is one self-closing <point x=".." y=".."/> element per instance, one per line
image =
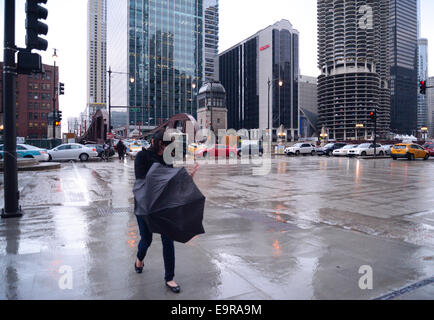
<point x="34" y="102"/>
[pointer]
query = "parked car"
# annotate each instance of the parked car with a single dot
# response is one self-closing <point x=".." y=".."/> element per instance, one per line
<point x="28" y="152"/>
<point x="430" y="148"/>
<point x="343" y="152"/>
<point x="219" y="150"/>
<point x="328" y="149"/>
<point x="250" y="147"/>
<point x="72" y="151"/>
<point x="388" y="149"/>
<point x="301" y="148"/>
<point x="366" y="149"/>
<point x="409" y="151"/>
<point x="99" y="148"/>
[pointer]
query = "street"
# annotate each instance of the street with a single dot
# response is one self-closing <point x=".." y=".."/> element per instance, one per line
<point x="302" y="231"/>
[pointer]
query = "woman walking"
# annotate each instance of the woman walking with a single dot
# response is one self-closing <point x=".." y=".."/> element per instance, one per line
<point x="143" y="163"/>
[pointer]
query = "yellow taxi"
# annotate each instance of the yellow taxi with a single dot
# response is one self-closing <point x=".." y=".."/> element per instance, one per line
<point x="193" y="147"/>
<point x="409" y="151"/>
<point x="134" y="149"/>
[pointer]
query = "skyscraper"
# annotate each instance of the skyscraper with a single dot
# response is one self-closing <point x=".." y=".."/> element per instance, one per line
<point x="353" y="57"/>
<point x="261" y="78"/>
<point x="422" y="105"/>
<point x="403" y="60"/>
<point x="96" y="55"/>
<point x="159" y="44"/>
<point x="211" y="39"/>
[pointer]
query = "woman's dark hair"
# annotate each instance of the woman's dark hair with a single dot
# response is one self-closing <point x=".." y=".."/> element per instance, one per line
<point x="157" y="137"/>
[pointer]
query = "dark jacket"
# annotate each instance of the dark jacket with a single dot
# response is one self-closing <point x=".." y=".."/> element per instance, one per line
<point x="121" y="148"/>
<point x="144" y="161"/>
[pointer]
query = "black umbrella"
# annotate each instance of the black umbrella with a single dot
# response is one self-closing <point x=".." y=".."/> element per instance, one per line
<point x="170" y="202"/>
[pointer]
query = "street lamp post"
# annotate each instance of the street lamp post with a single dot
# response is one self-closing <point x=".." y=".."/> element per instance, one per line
<point x="193" y="86"/>
<point x="110" y="72"/>
<point x="270" y="82"/>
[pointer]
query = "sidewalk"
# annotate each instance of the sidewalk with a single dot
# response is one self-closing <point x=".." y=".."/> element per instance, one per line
<point x="81" y="219"/>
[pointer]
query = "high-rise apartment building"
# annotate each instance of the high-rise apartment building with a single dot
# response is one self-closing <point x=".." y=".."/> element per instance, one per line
<point x="353" y="56"/>
<point x="211" y="39"/>
<point x="96" y="56"/>
<point x="403" y="62"/>
<point x="422" y="105"/>
<point x="159" y="44"/>
<point x="261" y="78"/>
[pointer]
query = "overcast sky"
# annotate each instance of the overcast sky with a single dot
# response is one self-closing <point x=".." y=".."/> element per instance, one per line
<point x="239" y="19"/>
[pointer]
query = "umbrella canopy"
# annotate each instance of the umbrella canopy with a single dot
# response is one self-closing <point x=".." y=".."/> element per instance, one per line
<point x="170" y="202"/>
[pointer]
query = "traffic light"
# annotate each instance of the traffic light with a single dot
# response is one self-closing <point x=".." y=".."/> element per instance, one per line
<point x="58" y="123"/>
<point x="61" y="88"/>
<point x="422" y="86"/>
<point x="59" y="116"/>
<point x="373" y="115"/>
<point x="34" y="27"/>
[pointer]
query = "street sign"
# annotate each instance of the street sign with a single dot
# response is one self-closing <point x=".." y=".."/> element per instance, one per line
<point x="110" y="136"/>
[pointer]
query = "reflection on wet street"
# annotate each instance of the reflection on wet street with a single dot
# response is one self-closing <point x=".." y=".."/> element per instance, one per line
<point x="302" y="231"/>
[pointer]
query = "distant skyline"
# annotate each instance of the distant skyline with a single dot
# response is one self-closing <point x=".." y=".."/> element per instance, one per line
<point x="239" y="19"/>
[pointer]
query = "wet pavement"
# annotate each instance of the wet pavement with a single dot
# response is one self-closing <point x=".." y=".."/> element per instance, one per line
<point x="301" y="231"/>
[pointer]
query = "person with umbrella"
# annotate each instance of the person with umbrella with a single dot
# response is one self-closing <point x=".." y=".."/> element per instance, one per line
<point x="121" y="148"/>
<point x="145" y="160"/>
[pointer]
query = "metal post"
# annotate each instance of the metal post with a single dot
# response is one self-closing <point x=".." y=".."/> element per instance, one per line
<point x="54" y="102"/>
<point x="11" y="193"/>
<point x="269" y="86"/>
<point x="110" y="99"/>
<point x="212" y="101"/>
<point x="375" y="134"/>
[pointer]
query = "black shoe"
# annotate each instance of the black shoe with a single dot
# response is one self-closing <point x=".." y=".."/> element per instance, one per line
<point x="174" y="289"/>
<point x="138" y="270"/>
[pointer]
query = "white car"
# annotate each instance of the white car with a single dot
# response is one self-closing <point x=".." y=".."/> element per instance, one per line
<point x="366" y="149"/>
<point x="72" y="151"/>
<point x="301" y="148"/>
<point x="388" y="150"/>
<point x="343" y="152"/>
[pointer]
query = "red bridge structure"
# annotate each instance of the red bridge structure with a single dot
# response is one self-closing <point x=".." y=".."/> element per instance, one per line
<point x="98" y="129"/>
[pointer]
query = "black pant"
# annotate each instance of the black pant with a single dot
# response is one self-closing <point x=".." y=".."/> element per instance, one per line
<point x="168" y="248"/>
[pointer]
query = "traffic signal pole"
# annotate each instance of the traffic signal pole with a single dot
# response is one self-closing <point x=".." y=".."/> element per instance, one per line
<point x="54" y="103"/>
<point x="11" y="194"/>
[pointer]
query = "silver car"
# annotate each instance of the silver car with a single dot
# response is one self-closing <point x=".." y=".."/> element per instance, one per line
<point x="72" y="151"/>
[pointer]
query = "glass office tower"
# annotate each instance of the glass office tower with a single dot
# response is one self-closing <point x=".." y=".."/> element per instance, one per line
<point x="403" y="60"/>
<point x="261" y="78"/>
<point x="158" y="43"/>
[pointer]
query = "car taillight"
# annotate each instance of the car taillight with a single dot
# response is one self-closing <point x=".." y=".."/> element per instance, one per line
<point x="94" y="149"/>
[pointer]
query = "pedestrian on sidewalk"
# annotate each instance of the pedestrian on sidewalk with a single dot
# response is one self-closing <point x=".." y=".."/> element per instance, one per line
<point x="106" y="151"/>
<point x="143" y="163"/>
<point x="121" y="148"/>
